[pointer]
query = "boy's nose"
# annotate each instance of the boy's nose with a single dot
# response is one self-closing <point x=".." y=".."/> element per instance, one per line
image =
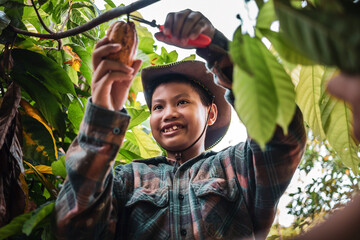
<point x="170" y="113"/>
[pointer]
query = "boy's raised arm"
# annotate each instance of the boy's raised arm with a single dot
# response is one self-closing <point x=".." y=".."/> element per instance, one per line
<point x="85" y="207"/>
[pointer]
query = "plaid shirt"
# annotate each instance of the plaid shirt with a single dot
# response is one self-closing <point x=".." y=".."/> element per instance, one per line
<point x="231" y="194"/>
<point x="226" y="195"/>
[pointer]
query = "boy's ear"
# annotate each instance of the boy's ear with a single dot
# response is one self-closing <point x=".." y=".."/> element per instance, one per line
<point x="213" y="115"/>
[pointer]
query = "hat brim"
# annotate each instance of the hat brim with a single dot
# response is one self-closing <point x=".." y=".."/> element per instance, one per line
<point x="194" y="70"/>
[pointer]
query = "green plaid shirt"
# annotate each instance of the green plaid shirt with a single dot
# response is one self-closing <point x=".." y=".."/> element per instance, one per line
<point x="226" y="195"/>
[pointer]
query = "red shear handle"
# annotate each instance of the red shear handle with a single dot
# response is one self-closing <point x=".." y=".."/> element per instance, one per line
<point x="201" y="41"/>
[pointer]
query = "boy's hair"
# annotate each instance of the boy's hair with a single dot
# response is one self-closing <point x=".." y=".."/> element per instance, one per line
<point x="205" y="96"/>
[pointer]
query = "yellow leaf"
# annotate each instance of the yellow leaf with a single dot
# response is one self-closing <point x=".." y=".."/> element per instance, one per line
<point x="33" y="112"/>
<point x="25" y="188"/>
<point x="29" y="141"/>
<point x="48" y="185"/>
<point x="75" y="61"/>
<point x="40" y="168"/>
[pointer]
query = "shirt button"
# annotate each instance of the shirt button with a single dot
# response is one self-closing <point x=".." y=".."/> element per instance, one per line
<point x="116" y="131"/>
<point x="181" y="197"/>
<point x="183" y="232"/>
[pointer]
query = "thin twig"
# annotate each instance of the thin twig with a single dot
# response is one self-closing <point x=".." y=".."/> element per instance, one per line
<point x="67" y="17"/>
<point x="40" y="19"/>
<point x="113" y="13"/>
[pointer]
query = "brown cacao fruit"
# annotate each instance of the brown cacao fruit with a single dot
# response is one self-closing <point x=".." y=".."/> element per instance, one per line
<point x="125" y="34"/>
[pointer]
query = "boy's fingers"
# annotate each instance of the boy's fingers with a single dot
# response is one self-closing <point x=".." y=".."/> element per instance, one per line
<point x="136" y="65"/>
<point x="102" y="41"/>
<point x="168" y="24"/>
<point x="172" y="41"/>
<point x="179" y="21"/>
<point x="107" y="66"/>
<point x="190" y="24"/>
<point x="101" y="52"/>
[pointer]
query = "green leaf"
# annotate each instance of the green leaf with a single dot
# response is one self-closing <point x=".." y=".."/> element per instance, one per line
<point x="264" y="94"/>
<point x="76" y="111"/>
<point x="189" y="58"/>
<point x="336" y="117"/>
<point x="338" y="129"/>
<point x="58" y="167"/>
<point x="48" y="72"/>
<point x="148" y="147"/>
<point x="47" y="103"/>
<point x="284" y="89"/>
<point x="326" y="37"/>
<point x="255" y="106"/>
<point x="4" y="21"/>
<point x="265" y="17"/>
<point x="14" y="227"/>
<point x="146" y="44"/>
<point x="86" y="61"/>
<point x="39" y="145"/>
<point x="131" y="144"/>
<point x="38" y="215"/>
<point x="127" y="156"/>
<point x="308" y="92"/>
<point x="111" y="4"/>
<point x="137" y="116"/>
<point x="285" y="50"/>
<point x="168" y="57"/>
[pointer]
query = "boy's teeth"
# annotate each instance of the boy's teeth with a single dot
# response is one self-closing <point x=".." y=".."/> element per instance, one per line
<point x="171" y="129"/>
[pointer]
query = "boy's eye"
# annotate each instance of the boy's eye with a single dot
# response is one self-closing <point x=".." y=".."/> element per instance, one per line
<point x="157" y="107"/>
<point x="181" y="102"/>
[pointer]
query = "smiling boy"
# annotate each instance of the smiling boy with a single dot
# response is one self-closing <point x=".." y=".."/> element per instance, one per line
<point x="190" y="193"/>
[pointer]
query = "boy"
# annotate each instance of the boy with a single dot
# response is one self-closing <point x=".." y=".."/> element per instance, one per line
<point x="190" y="193"/>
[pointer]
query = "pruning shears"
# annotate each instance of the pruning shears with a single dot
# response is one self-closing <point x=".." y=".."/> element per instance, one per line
<point x="202" y="41"/>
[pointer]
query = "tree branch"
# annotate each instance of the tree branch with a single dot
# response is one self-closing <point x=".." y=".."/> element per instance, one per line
<point x="40" y="19"/>
<point x="113" y="13"/>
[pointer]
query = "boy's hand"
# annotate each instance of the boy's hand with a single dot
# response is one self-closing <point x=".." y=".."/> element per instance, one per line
<point x="111" y="80"/>
<point x="185" y="25"/>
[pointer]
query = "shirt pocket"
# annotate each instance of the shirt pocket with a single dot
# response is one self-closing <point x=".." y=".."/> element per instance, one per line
<point x="222" y="208"/>
<point x="148" y="212"/>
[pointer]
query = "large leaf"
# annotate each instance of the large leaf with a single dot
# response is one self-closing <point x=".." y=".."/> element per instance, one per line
<point x="308" y="92"/>
<point x="284" y="49"/>
<point x="264" y="94"/>
<point x="48" y="185"/>
<point x="337" y="123"/>
<point x="47" y="103"/>
<point x="265" y="17"/>
<point x="76" y="111"/>
<point x="14" y="227"/>
<point x="148" y="147"/>
<point x="137" y="116"/>
<point x="86" y="62"/>
<point x="48" y="72"/>
<point x="38" y="215"/>
<point x="58" y="167"/>
<point x="38" y="133"/>
<point x="4" y="21"/>
<point x="326" y="37"/>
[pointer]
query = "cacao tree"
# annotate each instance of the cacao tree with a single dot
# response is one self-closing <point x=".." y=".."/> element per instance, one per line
<point x="46" y="72"/>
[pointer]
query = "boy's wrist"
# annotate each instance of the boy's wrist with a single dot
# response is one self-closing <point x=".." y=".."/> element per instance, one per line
<point x="103" y="124"/>
<point x="216" y="50"/>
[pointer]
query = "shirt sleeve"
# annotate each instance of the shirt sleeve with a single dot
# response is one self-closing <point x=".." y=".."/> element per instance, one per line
<point x="264" y="175"/>
<point x="85" y="207"/>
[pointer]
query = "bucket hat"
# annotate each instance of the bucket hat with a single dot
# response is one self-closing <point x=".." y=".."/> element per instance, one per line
<point x="197" y="72"/>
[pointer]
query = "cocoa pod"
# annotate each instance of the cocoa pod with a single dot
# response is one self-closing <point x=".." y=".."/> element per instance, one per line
<point x="125" y="34"/>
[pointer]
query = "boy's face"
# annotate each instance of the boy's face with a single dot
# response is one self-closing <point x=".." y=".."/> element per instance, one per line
<point x="177" y="116"/>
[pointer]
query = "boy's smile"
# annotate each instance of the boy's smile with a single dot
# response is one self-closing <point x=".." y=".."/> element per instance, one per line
<point x="178" y="117"/>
